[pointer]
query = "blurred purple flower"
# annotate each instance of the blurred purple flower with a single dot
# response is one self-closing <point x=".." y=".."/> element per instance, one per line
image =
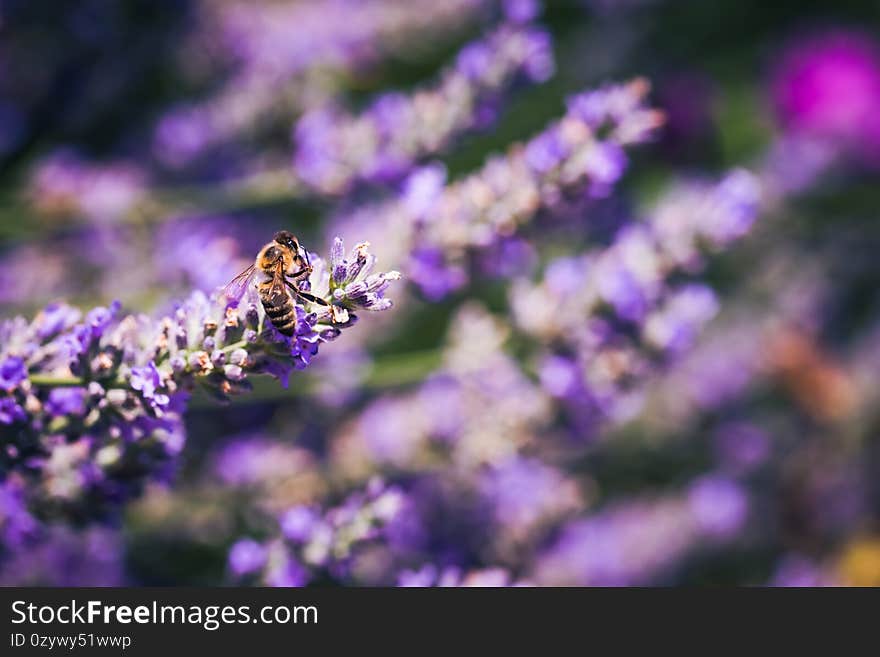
<point x="290" y="573"/>
<point x="828" y="86"/>
<point x="798" y="571"/>
<point x="335" y="150"/>
<point x="181" y="135"/>
<point x="451" y="576"/>
<point x="66" y="401"/>
<point x="435" y="277"/>
<point x="63" y="556"/>
<point x="638" y="542"/>
<point x="16" y="522"/>
<point x="11" y="412"/>
<point x="298" y="523"/>
<point x="12" y="372"/>
<point x="474" y="213"/>
<point x="65" y="183"/>
<point x="674" y="328"/>
<point x="629" y="544"/>
<point x="526" y="493"/>
<point x="274" y="76"/>
<point x="719" y="505"/>
<point x="314" y="542"/>
<point x="521" y="11"/>
<point x="246" y="557"/>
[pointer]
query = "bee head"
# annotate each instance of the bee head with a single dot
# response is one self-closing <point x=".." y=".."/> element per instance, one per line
<point x="288" y="239"/>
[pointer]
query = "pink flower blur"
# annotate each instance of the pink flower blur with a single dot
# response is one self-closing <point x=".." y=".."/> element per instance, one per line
<point x="828" y="86"/>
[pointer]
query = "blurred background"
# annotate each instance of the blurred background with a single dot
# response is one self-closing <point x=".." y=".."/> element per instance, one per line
<point x="533" y="435"/>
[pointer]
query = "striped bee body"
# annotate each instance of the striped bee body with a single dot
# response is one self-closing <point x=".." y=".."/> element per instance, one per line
<point x="284" y="264"/>
<point x="279" y="307"/>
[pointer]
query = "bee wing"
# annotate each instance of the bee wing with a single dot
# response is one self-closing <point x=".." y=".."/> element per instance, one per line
<point x="234" y="290"/>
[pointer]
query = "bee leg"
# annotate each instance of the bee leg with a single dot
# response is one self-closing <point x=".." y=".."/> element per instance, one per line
<point x="304" y="272"/>
<point x="293" y="280"/>
<point x="313" y="298"/>
<point x="306" y="295"/>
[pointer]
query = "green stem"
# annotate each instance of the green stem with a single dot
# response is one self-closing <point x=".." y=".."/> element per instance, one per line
<point x="386" y="372"/>
<point x="48" y="381"/>
<point x="235" y="345"/>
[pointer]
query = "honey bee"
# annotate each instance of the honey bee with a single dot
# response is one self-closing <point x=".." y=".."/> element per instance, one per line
<point x="283" y="263"/>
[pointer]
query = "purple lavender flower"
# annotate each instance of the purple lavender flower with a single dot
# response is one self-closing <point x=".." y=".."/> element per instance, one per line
<point x="287" y="571"/>
<point x="510" y="258"/>
<point x="447" y="414"/>
<point x="352" y="283"/>
<point x="611" y="317"/>
<point x="95" y="404"/>
<point x="521" y="11"/>
<point x="798" y="571"/>
<point x="719" y="505"/>
<point x="673" y="329"/>
<point x="246" y="557"/>
<point x="526" y="494"/>
<point x="55" y="318"/>
<point x="66" y="401"/>
<point x="422" y="189"/>
<point x="430" y="575"/>
<point x="253" y="461"/>
<point x="17" y="525"/>
<point x="298" y="523"/>
<point x="66" y="184"/>
<point x="12" y="372"/>
<point x="569" y="155"/>
<point x="435" y="277"/>
<point x="421" y="578"/>
<point x="275" y="77"/>
<point x="314" y="543"/>
<point x="181" y="135"/>
<point x="62" y="556"/>
<point x="437" y="230"/>
<point x="148" y="381"/>
<point x="546" y="151"/>
<point x="11" y="412"/>
<point x="335" y="150"/>
<point x="638" y="542"/>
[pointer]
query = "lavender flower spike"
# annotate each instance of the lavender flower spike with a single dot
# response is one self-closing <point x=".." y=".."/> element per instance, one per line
<point x="281" y="53"/>
<point x="580" y="154"/>
<point x="336" y="149"/>
<point x="351" y="282"/>
<point x="314" y="543"/>
<point x="595" y="369"/>
<point x="90" y="407"/>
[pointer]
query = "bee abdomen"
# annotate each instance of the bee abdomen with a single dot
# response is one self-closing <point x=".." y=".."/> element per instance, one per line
<point x="277" y="312"/>
<point x="286" y="327"/>
<point x="281" y="313"/>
